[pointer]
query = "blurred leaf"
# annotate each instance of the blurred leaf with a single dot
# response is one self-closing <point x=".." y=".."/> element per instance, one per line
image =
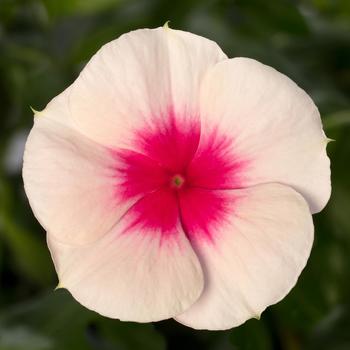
<point x="56" y="322"/>
<point x="253" y="335"/>
<point x="28" y="252"/>
<point x="333" y="331"/>
<point x="58" y="8"/>
<point x="279" y="16"/>
<point x="18" y="338"/>
<point x="336" y="120"/>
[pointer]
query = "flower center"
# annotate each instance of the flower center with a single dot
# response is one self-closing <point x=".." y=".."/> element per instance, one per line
<point x="177" y="181"/>
<point x="178" y="176"/>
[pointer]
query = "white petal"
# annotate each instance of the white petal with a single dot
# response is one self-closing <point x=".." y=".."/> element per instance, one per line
<point x="135" y="80"/>
<point x="255" y="258"/>
<point x="58" y="109"/>
<point x="132" y="274"/>
<point x="70" y="182"/>
<point x="274" y="124"/>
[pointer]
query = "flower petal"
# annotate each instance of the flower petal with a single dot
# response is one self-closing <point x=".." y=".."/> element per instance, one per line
<point x="58" y="109"/>
<point x="134" y="81"/>
<point x="71" y="182"/>
<point x="135" y="272"/>
<point x="255" y="258"/>
<point x="274" y="124"/>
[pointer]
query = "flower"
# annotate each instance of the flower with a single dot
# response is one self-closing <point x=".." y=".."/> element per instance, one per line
<point x="175" y="182"/>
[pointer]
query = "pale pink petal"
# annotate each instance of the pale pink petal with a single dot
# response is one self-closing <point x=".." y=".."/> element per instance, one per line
<point x="142" y="270"/>
<point x="136" y="79"/>
<point x="71" y="182"/>
<point x="58" y="109"/>
<point x="275" y="127"/>
<point x="254" y="257"/>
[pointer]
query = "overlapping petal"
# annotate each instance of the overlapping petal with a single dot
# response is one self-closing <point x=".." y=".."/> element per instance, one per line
<point x="255" y="257"/>
<point x="71" y="182"/>
<point x="275" y="126"/>
<point x="133" y="273"/>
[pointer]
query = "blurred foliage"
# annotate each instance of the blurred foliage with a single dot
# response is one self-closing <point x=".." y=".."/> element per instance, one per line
<point x="57" y="322"/>
<point x="43" y="46"/>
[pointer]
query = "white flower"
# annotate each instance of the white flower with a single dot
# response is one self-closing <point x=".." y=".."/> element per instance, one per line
<point x="175" y="182"/>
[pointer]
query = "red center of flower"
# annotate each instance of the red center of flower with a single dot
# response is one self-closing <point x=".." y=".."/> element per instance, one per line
<point x="180" y="177"/>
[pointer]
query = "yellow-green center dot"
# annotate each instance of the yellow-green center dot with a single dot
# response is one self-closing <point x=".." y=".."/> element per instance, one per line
<point x="177" y="181"/>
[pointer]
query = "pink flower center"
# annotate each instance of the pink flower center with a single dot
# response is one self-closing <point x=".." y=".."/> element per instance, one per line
<point x="177" y="181"/>
<point x="180" y="176"/>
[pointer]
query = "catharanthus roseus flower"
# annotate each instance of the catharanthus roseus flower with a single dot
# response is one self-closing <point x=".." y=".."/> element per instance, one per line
<point x="175" y="182"/>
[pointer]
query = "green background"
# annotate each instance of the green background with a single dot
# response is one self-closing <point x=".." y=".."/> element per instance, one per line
<point x="43" y="46"/>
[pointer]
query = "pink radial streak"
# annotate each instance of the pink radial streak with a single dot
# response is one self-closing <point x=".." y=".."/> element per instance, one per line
<point x="179" y="176"/>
